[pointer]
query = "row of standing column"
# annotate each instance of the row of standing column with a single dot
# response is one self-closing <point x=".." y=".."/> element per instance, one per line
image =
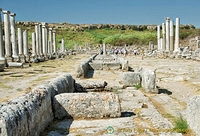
<point x="10" y="50"/>
<point x="42" y="45"/>
<point x="14" y="48"/>
<point x="166" y="43"/>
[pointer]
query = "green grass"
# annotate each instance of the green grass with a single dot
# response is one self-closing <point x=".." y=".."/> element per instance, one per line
<point x="138" y="86"/>
<point x="181" y="125"/>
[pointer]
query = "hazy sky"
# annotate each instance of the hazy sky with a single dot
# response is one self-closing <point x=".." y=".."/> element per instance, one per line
<point x="132" y="12"/>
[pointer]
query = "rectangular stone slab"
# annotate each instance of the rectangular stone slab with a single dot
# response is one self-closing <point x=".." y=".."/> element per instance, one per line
<point x="86" y="105"/>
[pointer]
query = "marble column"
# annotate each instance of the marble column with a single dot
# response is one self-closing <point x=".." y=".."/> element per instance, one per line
<point x="34" y="54"/>
<point x="164" y="37"/>
<point x="37" y="39"/>
<point x="161" y="44"/>
<point x="54" y="42"/>
<point x="13" y="37"/>
<point x="46" y="40"/>
<point x="40" y="41"/>
<point x="177" y="34"/>
<point x="50" y="41"/>
<point x="20" y="45"/>
<point x="167" y="35"/>
<point x="25" y="43"/>
<point x="158" y="37"/>
<point x="171" y="36"/>
<point x="104" y="49"/>
<point x="2" y="55"/>
<point x="44" y="46"/>
<point x="62" y="46"/>
<point x="8" y="51"/>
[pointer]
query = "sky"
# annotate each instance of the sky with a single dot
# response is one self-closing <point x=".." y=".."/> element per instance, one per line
<point x="132" y="12"/>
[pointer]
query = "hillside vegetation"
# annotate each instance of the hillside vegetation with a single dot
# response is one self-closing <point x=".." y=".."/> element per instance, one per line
<point x="116" y="37"/>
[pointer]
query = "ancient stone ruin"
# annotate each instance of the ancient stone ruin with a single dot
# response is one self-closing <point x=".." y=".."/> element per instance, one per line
<point x="100" y="92"/>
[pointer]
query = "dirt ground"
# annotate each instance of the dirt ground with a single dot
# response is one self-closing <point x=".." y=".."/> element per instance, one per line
<point x="16" y="81"/>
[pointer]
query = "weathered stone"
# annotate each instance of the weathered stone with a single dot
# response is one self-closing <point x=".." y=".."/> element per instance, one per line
<point x="15" y="64"/>
<point x="88" y="85"/>
<point x="131" y="79"/>
<point x="2" y="67"/>
<point x="32" y="111"/>
<point x="88" y="105"/>
<point x="193" y="114"/>
<point x="148" y="80"/>
<point x="84" y="67"/>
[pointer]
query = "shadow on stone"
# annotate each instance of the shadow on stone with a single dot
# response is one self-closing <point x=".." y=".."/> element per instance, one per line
<point x="131" y="69"/>
<point x="31" y="72"/>
<point x="59" y="126"/>
<point x="6" y="74"/>
<point x="49" y="66"/>
<point x="90" y="73"/>
<point x="17" y="76"/>
<point x="165" y="91"/>
<point x="127" y="114"/>
<point x="79" y="89"/>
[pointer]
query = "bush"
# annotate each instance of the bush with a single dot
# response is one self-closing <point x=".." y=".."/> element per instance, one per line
<point x="181" y="125"/>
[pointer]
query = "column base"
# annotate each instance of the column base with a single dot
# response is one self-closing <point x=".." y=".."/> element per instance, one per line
<point x="16" y="58"/>
<point x="46" y="58"/>
<point x="22" y="58"/>
<point x="34" y="59"/>
<point x="52" y="57"/>
<point x="41" y="59"/>
<point x="2" y="67"/>
<point x="27" y="58"/>
<point x="3" y="61"/>
<point x="9" y="59"/>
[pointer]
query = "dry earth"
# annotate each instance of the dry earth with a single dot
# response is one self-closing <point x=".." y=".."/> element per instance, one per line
<point x="16" y="81"/>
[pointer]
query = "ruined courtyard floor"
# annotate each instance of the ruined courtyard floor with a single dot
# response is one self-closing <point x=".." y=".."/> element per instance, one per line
<point x="16" y="81"/>
<point x="177" y="79"/>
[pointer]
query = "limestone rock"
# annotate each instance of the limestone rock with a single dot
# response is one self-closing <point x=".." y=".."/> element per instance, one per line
<point x="90" y="85"/>
<point x="131" y="78"/>
<point x="86" y="105"/>
<point x="193" y="114"/>
<point x="148" y="80"/>
<point x="1" y="67"/>
<point x="84" y="67"/>
<point x="15" y="64"/>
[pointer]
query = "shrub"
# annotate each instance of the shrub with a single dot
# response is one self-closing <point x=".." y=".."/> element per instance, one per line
<point x="181" y="125"/>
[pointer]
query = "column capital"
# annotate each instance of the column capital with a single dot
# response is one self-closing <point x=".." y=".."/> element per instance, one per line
<point x="13" y="14"/>
<point x="50" y="29"/>
<point x="44" y="23"/>
<point x="6" y="12"/>
<point x="54" y="31"/>
<point x="167" y="18"/>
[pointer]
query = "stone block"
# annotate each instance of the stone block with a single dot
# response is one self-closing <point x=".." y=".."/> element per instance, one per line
<point x="15" y="64"/>
<point x="148" y="80"/>
<point x="131" y="78"/>
<point x="1" y="67"/>
<point x="86" y="105"/>
<point x="193" y="114"/>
